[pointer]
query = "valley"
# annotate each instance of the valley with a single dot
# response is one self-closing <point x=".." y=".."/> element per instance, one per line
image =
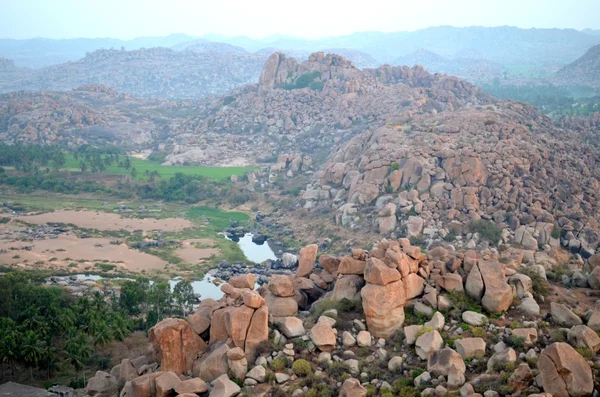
<point x="405" y="214"/>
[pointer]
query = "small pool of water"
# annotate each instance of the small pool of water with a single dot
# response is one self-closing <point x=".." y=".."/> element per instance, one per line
<point x="255" y="252"/>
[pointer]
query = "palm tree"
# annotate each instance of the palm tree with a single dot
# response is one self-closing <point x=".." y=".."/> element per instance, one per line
<point x="121" y="327"/>
<point x="32" y="349"/>
<point x="78" y="350"/>
<point x="49" y="358"/>
<point x="102" y="334"/>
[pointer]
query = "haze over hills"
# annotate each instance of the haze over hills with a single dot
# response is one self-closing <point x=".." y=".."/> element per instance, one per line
<point x="584" y="71"/>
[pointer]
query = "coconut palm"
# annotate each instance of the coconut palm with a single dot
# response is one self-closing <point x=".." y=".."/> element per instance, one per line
<point x="32" y="349"/>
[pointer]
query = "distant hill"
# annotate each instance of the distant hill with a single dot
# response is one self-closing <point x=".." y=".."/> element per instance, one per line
<point x="585" y="71"/>
<point x="469" y="66"/>
<point x="209" y="46"/>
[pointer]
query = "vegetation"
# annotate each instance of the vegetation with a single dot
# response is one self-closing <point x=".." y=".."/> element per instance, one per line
<point x="487" y="230"/>
<point x="304" y="81"/>
<point x="302" y="367"/>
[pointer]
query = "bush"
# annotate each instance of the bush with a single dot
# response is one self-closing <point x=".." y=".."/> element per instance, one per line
<point x="316" y="86"/>
<point x="518" y="342"/>
<point x="540" y="285"/>
<point x="555" y="232"/>
<point x="402" y="387"/>
<point x="394" y="167"/>
<point x="302" y="367"/>
<point x="478" y="332"/>
<point x="463" y="302"/>
<point x="279" y="364"/>
<point x="586" y="353"/>
<point x="487" y="230"/>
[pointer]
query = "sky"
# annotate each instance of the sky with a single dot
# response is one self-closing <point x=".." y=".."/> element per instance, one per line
<point x="127" y="19"/>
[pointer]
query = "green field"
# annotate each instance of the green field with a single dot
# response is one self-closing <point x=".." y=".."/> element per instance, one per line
<point x="165" y="171"/>
<point x="215" y="216"/>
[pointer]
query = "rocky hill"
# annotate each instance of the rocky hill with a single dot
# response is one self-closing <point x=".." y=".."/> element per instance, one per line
<point x="156" y="72"/>
<point x="585" y="71"/>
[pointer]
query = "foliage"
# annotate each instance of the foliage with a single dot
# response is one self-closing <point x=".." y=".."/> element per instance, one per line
<point x="487" y="230"/>
<point x="539" y="284"/>
<point x="41" y="327"/>
<point x="302" y="367"/>
<point x="463" y="302"/>
<point x="279" y="364"/>
<point x="394" y="167"/>
<point x="403" y="387"/>
<point x="585" y="352"/>
<point x="303" y="81"/>
<point x="518" y="342"/>
<point x="478" y="332"/>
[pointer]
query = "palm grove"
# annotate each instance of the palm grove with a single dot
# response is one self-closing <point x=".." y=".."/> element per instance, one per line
<point x="50" y="332"/>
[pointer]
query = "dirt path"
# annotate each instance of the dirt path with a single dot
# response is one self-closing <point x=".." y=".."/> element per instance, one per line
<point x="106" y="221"/>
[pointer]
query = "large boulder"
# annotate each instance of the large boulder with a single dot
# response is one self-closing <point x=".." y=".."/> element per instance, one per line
<point x="193" y="386"/>
<point x="585" y="337"/>
<point x="323" y="336"/>
<point x="350" y="265"/>
<point x="280" y="307"/>
<point x="213" y="363"/>
<point x="428" y="343"/>
<point x="441" y="361"/>
<point x="470" y="347"/>
<point x="231" y="322"/>
<point x="377" y="272"/>
<point x="414" y="285"/>
<point x="282" y="286"/>
<point x="177" y="345"/>
<point x="330" y="264"/>
<point x="498" y="294"/>
<point x="165" y="384"/>
<point x="102" y="385"/>
<point x="224" y="387"/>
<point x="563" y="316"/>
<point x="352" y="388"/>
<point x="306" y="260"/>
<point x="383" y="306"/>
<point x="564" y="372"/>
<point x="291" y="327"/>
<point x="258" y="332"/>
<point x="242" y="281"/>
<point x="474" y="284"/>
<point x="145" y="385"/>
<point x="594" y="320"/>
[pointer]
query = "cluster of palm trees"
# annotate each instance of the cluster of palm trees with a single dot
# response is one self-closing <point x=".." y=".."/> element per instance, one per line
<point x="43" y="329"/>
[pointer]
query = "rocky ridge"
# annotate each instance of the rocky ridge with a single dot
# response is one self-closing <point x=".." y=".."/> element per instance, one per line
<point x="584" y="71"/>
<point x="375" y="317"/>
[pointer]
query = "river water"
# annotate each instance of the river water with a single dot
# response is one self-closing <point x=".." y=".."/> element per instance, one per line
<point x="205" y="287"/>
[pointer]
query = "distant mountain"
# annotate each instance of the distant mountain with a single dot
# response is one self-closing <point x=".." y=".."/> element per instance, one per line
<point x="585" y="71"/>
<point x="595" y="32"/>
<point x="469" y="66"/>
<point x="202" y="45"/>
<point x="39" y="52"/>
<point x="156" y="72"/>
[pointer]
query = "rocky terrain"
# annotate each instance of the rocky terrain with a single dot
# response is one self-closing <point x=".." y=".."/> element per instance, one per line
<point x="584" y="71"/>
<point x="388" y="321"/>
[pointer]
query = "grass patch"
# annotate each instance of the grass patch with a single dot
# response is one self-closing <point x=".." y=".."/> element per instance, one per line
<point x="216" y="217"/>
<point x="487" y="230"/>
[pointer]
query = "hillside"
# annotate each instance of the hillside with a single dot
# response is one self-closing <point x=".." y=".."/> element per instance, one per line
<point x="585" y="71"/>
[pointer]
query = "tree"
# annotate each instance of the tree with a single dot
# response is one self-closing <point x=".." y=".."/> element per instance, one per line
<point x="133" y="172"/>
<point x="184" y="296"/>
<point x="134" y="295"/>
<point x="32" y="349"/>
<point x="78" y="350"/>
<point x="83" y="166"/>
<point x="160" y="298"/>
<point x="102" y="334"/>
<point x="58" y="160"/>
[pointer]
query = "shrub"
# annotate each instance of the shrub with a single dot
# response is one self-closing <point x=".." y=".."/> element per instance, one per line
<point x="540" y="285"/>
<point x="302" y="367"/>
<point x="316" y="86"/>
<point x="555" y="232"/>
<point x="463" y="302"/>
<point x="518" y="342"/>
<point x="394" y="167"/>
<point x="371" y="390"/>
<point x="270" y="377"/>
<point x="402" y="387"/>
<point x="424" y="330"/>
<point x="279" y="364"/>
<point x="478" y="332"/>
<point x="586" y="353"/>
<point x="487" y="230"/>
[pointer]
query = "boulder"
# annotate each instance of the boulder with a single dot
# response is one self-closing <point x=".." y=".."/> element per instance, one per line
<point x="231" y="322"/>
<point x="383" y="306"/>
<point x="441" y="361"/>
<point x="498" y="294"/>
<point x="437" y="321"/>
<point x="350" y="265"/>
<point x="451" y="282"/>
<point x="242" y="281"/>
<point x="307" y="258"/>
<point x="252" y="299"/>
<point x="474" y="284"/>
<point x="474" y="318"/>
<point x="127" y="372"/>
<point x="281" y="286"/>
<point x="288" y="260"/>
<point x="347" y="287"/>
<point x="523" y="284"/>
<point x="198" y="322"/>
<point x="521" y="377"/>
<point x="470" y="347"/>
<point x="224" y="387"/>
<point x="329" y="263"/>
<point x="323" y="336"/>
<point x="594" y="320"/>
<point x="165" y="384"/>
<point x="585" y="337"/>
<point x="145" y="385"/>
<point x="213" y="363"/>
<point x="280" y="307"/>
<point x="563" y="316"/>
<point x="363" y="339"/>
<point x="258" y="373"/>
<point x="428" y="343"/>
<point x="102" y="385"/>
<point x="500" y="358"/>
<point x="564" y="372"/>
<point x="594" y="278"/>
<point x="193" y="386"/>
<point x="291" y="327"/>
<point x="529" y="335"/>
<point x="377" y="272"/>
<point x="258" y="332"/>
<point x="176" y="344"/>
<point x="413" y="285"/>
<point x="352" y="388"/>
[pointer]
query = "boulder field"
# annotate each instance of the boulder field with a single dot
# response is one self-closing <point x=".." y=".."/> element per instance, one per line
<point x="372" y="322"/>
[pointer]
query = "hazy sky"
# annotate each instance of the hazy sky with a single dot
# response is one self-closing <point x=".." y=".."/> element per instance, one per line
<point x="127" y="19"/>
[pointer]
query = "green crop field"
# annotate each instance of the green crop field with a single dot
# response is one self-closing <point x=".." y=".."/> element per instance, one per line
<point x="216" y="217"/>
<point x="165" y="171"/>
